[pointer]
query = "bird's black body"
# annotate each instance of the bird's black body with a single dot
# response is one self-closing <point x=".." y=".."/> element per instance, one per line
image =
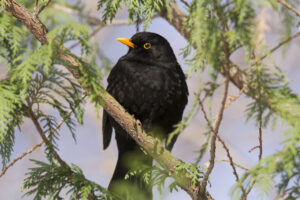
<point x="150" y="85"/>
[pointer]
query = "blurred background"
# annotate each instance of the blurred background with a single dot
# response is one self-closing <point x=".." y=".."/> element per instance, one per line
<point x="239" y="135"/>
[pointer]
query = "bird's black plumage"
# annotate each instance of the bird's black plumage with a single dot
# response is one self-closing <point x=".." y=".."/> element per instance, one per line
<point x="149" y="83"/>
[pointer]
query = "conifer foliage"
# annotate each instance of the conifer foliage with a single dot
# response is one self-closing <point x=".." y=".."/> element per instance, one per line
<point x="42" y="73"/>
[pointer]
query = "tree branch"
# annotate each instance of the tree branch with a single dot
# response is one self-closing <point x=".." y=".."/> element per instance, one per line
<point x="133" y="127"/>
<point x="215" y="130"/>
<point x="21" y="157"/>
<point x="235" y="164"/>
<point x="280" y="44"/>
<point x="288" y="6"/>
<point x="237" y="76"/>
<point x="45" y="139"/>
<point x="232" y="164"/>
<point x="41" y="142"/>
<point x="43" y="7"/>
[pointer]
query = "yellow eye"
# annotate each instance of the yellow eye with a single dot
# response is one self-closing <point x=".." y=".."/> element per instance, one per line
<point x="147" y="46"/>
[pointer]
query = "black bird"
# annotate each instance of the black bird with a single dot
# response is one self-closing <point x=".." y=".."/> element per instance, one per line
<point x="150" y="84"/>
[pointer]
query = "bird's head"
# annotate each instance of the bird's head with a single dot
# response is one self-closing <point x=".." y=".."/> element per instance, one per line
<point x="151" y="46"/>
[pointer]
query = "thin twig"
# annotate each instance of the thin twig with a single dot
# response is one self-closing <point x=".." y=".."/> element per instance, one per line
<point x="235" y="164"/>
<point x="215" y="130"/>
<point x="253" y="148"/>
<point x="224" y="146"/>
<point x="288" y="6"/>
<point x="20" y="157"/>
<point x="229" y="157"/>
<point x="226" y="65"/>
<point x="45" y="139"/>
<point x="90" y="36"/>
<point x="185" y="3"/>
<point x="91" y="19"/>
<point x="43" y="7"/>
<point x="34" y="96"/>
<point x="260" y="137"/>
<point x="94" y="20"/>
<point x="36" y="7"/>
<point x="274" y="49"/>
<point x="260" y="146"/>
<point x="41" y="142"/>
<point x="234" y="98"/>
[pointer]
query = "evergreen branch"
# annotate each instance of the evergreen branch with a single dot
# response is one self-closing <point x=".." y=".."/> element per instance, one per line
<point x="33" y="98"/>
<point x="90" y="19"/>
<point x="225" y="65"/>
<point x="32" y="23"/>
<point x="94" y="20"/>
<point x="215" y="130"/>
<point x="43" y="7"/>
<point x="238" y="77"/>
<point x="45" y="139"/>
<point x="91" y="35"/>
<point x="101" y="25"/>
<point x="132" y="126"/>
<point x="41" y="142"/>
<point x="274" y="49"/>
<point x="288" y="6"/>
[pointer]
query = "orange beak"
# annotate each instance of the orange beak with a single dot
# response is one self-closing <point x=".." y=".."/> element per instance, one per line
<point x="126" y="41"/>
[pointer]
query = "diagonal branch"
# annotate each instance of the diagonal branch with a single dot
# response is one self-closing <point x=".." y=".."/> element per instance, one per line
<point x="133" y="127"/>
<point x="238" y="77"/>
<point x="288" y="6"/>
<point x="45" y="139"/>
<point x="275" y="48"/>
<point x="235" y="164"/>
<point x="21" y="157"/>
<point x="41" y="142"/>
<point x="43" y="7"/>
<point x="215" y="130"/>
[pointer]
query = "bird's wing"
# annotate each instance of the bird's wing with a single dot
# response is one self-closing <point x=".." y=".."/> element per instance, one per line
<point x="106" y="130"/>
<point x="112" y="88"/>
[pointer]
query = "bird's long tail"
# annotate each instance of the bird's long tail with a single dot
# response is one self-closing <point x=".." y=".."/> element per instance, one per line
<point x="132" y="164"/>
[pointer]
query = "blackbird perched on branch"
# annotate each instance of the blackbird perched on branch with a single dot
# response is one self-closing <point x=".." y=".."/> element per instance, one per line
<point x="149" y="83"/>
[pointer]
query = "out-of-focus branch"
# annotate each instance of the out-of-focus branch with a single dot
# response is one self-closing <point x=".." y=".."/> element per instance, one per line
<point x="132" y="126"/>
<point x="93" y="20"/>
<point x="280" y="44"/>
<point x="43" y="7"/>
<point x="90" y="36"/>
<point x="237" y="76"/>
<point x="288" y="6"/>
<point x="185" y="3"/>
<point x="235" y="164"/>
